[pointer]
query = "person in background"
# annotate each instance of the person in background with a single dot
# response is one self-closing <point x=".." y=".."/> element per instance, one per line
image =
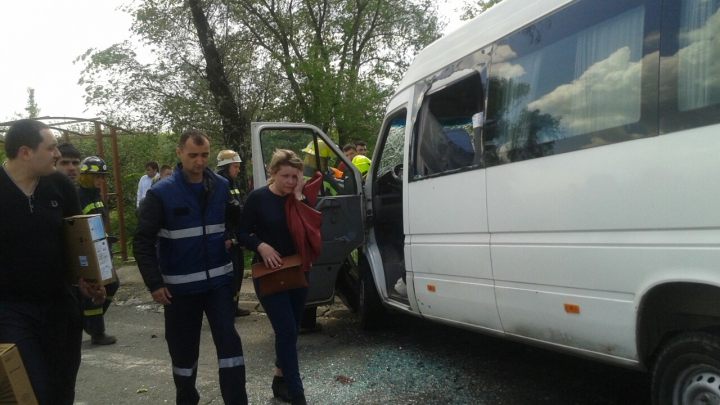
<point x="228" y="166"/>
<point x="349" y="151"/>
<point x="93" y="172"/>
<point x="69" y="162"/>
<point x="363" y="165"/>
<point x="165" y="170"/>
<point x="179" y="246"/>
<point x="361" y="147"/>
<point x="38" y="311"/>
<point x="264" y="229"/>
<point x="146" y="181"/>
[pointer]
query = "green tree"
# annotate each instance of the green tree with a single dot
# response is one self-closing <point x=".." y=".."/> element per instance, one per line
<point x="32" y="109"/>
<point x="332" y="63"/>
<point x="472" y="9"/>
<point x="340" y="59"/>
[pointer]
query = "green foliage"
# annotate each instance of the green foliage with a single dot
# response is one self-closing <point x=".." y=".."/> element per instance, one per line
<point x="472" y="9"/>
<point x="32" y="108"/>
<point x="332" y="63"/>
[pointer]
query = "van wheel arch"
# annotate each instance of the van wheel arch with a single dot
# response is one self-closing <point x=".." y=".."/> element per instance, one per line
<point x="671" y="309"/>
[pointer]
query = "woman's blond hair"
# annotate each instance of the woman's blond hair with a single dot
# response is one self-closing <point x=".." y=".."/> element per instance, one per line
<point x="283" y="157"/>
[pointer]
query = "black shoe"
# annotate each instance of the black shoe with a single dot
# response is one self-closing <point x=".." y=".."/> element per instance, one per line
<point x="313" y="329"/>
<point x="280" y="389"/>
<point x="103" y="339"/>
<point x="242" y="312"/>
<point x="298" y="399"/>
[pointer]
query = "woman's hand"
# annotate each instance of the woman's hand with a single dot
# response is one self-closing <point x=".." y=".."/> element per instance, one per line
<point x="270" y="256"/>
<point x="300" y="185"/>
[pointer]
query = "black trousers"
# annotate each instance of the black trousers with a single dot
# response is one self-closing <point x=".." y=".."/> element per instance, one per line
<point x="48" y="336"/>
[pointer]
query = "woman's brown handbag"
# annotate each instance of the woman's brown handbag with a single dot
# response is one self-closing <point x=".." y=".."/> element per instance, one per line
<point x="285" y="277"/>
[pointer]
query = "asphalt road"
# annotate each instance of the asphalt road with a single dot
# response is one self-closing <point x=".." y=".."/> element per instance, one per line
<point x="408" y="362"/>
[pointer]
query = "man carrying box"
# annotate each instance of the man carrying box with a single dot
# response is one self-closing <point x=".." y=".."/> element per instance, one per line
<point x="37" y="310"/>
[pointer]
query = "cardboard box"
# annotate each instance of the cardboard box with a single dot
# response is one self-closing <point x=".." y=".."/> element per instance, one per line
<point x="15" y="385"/>
<point x="88" y="253"/>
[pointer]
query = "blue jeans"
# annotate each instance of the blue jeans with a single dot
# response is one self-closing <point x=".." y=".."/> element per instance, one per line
<point x="48" y="336"/>
<point x="284" y="310"/>
<point x="183" y="322"/>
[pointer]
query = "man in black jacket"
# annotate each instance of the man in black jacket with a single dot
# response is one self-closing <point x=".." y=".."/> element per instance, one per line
<point x="37" y="310"/>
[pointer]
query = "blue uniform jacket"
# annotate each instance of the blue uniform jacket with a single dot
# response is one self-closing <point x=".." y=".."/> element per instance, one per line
<point x="188" y="228"/>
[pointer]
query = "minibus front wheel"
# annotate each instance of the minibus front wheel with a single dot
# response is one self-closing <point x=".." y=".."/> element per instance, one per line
<point x="688" y="371"/>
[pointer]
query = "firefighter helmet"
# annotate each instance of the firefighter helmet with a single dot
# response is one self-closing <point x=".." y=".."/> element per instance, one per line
<point x="362" y="163"/>
<point x="225" y="157"/>
<point x="93" y="165"/>
<point x="325" y="151"/>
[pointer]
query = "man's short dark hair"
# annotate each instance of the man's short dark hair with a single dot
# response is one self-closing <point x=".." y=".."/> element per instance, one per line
<point x="359" y="143"/>
<point x="198" y="137"/>
<point x="68" y="150"/>
<point x="23" y="133"/>
<point x="165" y="167"/>
<point x="153" y="165"/>
<point x="349" y="147"/>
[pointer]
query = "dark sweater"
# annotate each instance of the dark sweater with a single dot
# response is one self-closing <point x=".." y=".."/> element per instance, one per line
<point x="263" y="220"/>
<point x="31" y="245"/>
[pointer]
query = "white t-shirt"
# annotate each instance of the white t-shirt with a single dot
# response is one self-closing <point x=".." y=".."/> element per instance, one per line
<point x="143" y="186"/>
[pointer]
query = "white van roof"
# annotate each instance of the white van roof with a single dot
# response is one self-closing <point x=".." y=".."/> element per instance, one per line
<point x="495" y="23"/>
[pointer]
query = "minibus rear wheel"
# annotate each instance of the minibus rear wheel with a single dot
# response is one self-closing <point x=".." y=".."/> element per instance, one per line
<point x="688" y="371"/>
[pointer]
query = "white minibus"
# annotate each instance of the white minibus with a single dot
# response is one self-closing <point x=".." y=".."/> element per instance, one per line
<point x="548" y="173"/>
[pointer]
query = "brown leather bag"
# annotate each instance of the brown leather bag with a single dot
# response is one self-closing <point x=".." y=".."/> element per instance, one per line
<point x="289" y="275"/>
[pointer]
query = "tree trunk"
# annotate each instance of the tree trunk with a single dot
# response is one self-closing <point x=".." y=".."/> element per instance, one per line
<point x="235" y="126"/>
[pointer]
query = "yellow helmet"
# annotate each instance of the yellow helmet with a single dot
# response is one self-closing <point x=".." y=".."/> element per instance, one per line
<point x="362" y="163"/>
<point x="324" y="149"/>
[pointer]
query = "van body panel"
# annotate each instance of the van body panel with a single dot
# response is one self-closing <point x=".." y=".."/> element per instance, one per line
<point x="448" y="205"/>
<point x="626" y="186"/>
<point x="468" y="300"/>
<point x="603" y="325"/>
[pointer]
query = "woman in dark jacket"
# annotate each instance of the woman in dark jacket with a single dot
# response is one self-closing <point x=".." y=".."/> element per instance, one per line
<point x="264" y="229"/>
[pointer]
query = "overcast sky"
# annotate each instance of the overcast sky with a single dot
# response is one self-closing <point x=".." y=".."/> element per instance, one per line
<point x="40" y="39"/>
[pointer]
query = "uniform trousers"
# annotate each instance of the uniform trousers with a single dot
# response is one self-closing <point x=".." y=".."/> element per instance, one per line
<point x="183" y="323"/>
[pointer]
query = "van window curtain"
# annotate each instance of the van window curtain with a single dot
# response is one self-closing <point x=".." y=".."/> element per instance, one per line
<point x="607" y="75"/>
<point x="699" y="56"/>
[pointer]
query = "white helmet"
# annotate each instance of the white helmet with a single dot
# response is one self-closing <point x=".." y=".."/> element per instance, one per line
<point x="225" y="157"/>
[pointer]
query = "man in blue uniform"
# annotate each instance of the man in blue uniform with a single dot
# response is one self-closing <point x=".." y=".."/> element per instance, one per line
<point x="180" y="249"/>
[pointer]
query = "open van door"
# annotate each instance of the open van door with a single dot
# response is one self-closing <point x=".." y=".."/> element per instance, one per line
<point x="340" y="198"/>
